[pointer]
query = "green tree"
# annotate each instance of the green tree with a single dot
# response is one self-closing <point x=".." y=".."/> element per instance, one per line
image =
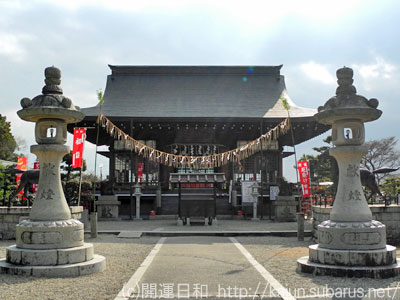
<point x="71" y="191"/>
<point x="7" y="182"/>
<point x="7" y="141"/>
<point x="323" y="167"/>
<point x="90" y="177"/>
<point x="326" y="168"/>
<point x="69" y="171"/>
<point x="391" y="186"/>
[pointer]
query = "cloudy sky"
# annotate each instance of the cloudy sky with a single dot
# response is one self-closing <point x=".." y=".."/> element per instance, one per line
<point x="310" y="38"/>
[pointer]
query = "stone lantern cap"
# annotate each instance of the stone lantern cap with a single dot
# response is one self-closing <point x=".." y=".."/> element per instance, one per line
<point x="347" y="104"/>
<point x="51" y="103"/>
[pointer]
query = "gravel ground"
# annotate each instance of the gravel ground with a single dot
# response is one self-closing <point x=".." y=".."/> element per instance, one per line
<point x="123" y="256"/>
<point x="279" y="256"/>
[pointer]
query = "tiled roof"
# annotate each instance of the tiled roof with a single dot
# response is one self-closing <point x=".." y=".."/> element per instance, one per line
<point x="196" y="92"/>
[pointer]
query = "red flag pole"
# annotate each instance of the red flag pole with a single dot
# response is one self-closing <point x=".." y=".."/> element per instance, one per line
<point x="77" y="155"/>
<point x="80" y="186"/>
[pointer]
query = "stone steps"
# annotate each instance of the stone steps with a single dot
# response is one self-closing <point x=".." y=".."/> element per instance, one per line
<point x="50" y="257"/>
<point x="96" y="264"/>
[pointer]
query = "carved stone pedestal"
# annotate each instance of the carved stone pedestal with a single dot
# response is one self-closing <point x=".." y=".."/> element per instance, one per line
<point x="351" y="249"/>
<point x="108" y="208"/>
<point x="285" y="209"/>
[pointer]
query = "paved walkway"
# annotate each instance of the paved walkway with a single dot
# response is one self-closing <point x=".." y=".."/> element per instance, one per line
<point x="213" y="267"/>
<point x="201" y="267"/>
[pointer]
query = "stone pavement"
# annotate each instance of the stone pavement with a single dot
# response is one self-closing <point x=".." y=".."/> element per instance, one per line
<point x="208" y="264"/>
<point x="201" y="261"/>
<point x="202" y="267"/>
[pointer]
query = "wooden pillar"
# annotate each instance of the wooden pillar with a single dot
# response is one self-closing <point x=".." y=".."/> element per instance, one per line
<point x="280" y="165"/>
<point x="262" y="167"/>
<point x="179" y="199"/>
<point x="131" y="199"/>
<point x="111" y="166"/>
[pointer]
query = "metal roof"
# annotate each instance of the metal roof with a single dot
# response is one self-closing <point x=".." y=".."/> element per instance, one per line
<point x="196" y="92"/>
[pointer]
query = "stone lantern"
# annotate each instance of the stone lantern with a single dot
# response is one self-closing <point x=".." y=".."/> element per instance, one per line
<point x="50" y="242"/>
<point x="350" y="243"/>
<point x="254" y="193"/>
<point x="138" y="194"/>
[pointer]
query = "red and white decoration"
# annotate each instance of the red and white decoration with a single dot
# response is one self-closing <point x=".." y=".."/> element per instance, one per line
<point x="77" y="149"/>
<point x="22" y="164"/>
<point x="140" y="172"/>
<point x="304" y="172"/>
<point x="36" y="166"/>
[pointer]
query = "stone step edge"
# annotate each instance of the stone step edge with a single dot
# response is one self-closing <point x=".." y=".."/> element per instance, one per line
<point x="97" y="264"/>
<point x="336" y="257"/>
<point x="64" y="256"/>
<point x="377" y="272"/>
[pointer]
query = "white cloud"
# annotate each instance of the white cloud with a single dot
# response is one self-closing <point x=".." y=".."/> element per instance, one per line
<point x="12" y="45"/>
<point x="121" y="5"/>
<point x="318" y="72"/>
<point x="255" y="14"/>
<point x="377" y="75"/>
<point x="378" y="69"/>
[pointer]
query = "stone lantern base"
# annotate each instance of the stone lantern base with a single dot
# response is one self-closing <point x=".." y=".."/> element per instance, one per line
<point x="51" y="249"/>
<point x="306" y="264"/>
<point x="351" y="249"/>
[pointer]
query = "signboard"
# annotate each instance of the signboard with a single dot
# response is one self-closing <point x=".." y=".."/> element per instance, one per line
<point x="77" y="149"/>
<point x="247" y="197"/>
<point x="194" y="149"/>
<point x="22" y="164"/>
<point x="273" y="192"/>
<point x="304" y="172"/>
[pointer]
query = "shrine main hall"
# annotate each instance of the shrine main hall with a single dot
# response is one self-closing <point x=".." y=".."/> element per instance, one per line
<point x="196" y="110"/>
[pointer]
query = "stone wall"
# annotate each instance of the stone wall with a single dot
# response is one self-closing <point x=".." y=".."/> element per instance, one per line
<point x="9" y="217"/>
<point x="390" y="216"/>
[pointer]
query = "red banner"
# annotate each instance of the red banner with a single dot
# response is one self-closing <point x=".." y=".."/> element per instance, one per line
<point x="35" y="167"/>
<point x="140" y="172"/>
<point x="22" y="164"/>
<point x="77" y="149"/>
<point x="304" y="172"/>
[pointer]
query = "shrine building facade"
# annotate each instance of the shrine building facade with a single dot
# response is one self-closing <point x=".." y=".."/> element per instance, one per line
<point x="196" y="110"/>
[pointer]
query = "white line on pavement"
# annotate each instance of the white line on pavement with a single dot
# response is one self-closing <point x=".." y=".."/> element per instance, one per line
<point x="133" y="283"/>
<point x="282" y="291"/>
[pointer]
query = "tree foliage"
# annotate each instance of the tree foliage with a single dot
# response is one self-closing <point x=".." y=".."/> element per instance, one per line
<point x="322" y="165"/>
<point x="71" y="191"/>
<point x="7" y="141"/>
<point x="391" y="186"/>
<point x="381" y="154"/>
<point x="7" y="182"/>
<point x="69" y="171"/>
